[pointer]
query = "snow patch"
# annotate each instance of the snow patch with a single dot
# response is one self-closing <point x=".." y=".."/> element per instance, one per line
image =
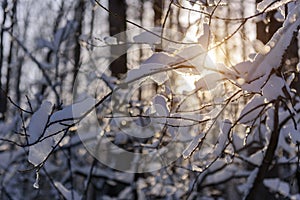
<point x="276" y="185"/>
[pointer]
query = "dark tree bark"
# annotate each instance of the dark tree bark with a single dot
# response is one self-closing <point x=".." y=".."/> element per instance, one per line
<point x="291" y="59"/>
<point x="257" y="190"/>
<point x="3" y="101"/>
<point x="4" y="17"/>
<point x="158" y="6"/>
<point x="11" y="53"/>
<point x="20" y="62"/>
<point x="92" y="24"/>
<point x="117" y="28"/>
<point x="79" y="16"/>
<point x="265" y="31"/>
<point x="50" y="53"/>
<point x="5" y="85"/>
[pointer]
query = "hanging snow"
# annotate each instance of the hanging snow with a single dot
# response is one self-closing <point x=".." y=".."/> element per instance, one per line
<point x="38" y="122"/>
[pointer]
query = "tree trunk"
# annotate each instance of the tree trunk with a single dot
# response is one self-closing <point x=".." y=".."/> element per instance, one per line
<point x="2" y="93"/>
<point x="158" y="6"/>
<point x="257" y="190"/>
<point x="11" y="52"/>
<point x="79" y="13"/>
<point x="264" y="32"/>
<point x="117" y="28"/>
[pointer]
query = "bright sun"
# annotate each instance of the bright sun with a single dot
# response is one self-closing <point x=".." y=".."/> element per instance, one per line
<point x="190" y="79"/>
